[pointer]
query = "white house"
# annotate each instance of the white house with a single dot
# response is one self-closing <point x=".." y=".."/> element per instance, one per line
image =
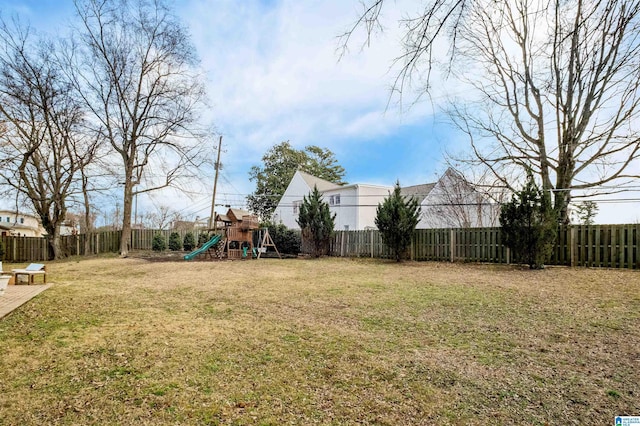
<point x="451" y="202"/>
<point x="20" y="224"/>
<point x="354" y="205"/>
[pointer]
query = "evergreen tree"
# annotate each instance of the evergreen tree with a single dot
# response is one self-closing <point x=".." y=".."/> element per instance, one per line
<point x="189" y="241"/>
<point x="316" y="222"/>
<point x="175" y="242"/>
<point x="159" y="243"/>
<point x="586" y="212"/>
<point x="529" y="225"/>
<point x="396" y="218"/>
<point x="203" y="238"/>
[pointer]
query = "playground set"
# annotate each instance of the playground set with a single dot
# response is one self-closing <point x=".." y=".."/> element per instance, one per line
<point x="235" y="239"/>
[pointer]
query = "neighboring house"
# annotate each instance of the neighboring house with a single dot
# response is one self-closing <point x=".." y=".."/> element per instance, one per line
<point x="354" y="205"/>
<point x="21" y="224"/>
<point x="451" y="202"/>
<point x="183" y="225"/>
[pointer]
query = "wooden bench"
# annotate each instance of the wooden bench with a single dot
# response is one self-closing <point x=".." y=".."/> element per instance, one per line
<point x="30" y="272"/>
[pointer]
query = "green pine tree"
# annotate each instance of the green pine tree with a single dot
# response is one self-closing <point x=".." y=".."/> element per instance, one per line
<point x="203" y="238"/>
<point x="397" y="218"/>
<point x="175" y="242"/>
<point x="529" y="225"/>
<point x="586" y="212"/>
<point x="189" y="241"/>
<point x="159" y="243"/>
<point x="316" y="222"/>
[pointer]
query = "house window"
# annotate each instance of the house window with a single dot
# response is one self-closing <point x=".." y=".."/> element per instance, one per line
<point x="331" y="200"/>
<point x="346" y="227"/>
<point x="296" y="205"/>
<point x="8" y="219"/>
<point x="22" y="220"/>
<point x="337" y="200"/>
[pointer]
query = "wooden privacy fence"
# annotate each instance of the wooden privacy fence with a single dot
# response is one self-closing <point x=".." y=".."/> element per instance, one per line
<point x="25" y="249"/>
<point x="34" y="249"/>
<point x="109" y="241"/>
<point x="611" y="246"/>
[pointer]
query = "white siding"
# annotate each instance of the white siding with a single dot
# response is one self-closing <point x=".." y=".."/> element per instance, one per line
<point x="23" y="224"/>
<point x="284" y="212"/>
<point x="370" y="196"/>
<point x="356" y="209"/>
<point x="347" y="209"/>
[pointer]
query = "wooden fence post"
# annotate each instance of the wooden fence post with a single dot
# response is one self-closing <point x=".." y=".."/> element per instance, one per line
<point x="412" y="248"/>
<point x="452" y="238"/>
<point x="573" y="250"/>
<point x="371" y="234"/>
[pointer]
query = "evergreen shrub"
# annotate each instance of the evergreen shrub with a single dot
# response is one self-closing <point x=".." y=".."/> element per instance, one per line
<point x="175" y="242"/>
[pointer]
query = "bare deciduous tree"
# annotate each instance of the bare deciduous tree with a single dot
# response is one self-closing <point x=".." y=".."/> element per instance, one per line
<point x="557" y="83"/>
<point x="161" y="218"/>
<point x="41" y="144"/>
<point x="138" y="78"/>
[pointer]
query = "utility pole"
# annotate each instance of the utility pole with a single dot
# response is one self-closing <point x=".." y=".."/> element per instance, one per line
<point x="212" y="221"/>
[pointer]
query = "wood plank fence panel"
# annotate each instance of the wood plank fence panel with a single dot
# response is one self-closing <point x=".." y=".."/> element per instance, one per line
<point x="612" y="246"/>
<point x="609" y="246"/>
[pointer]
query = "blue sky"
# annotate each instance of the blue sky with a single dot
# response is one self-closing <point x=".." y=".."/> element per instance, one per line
<point x="273" y="74"/>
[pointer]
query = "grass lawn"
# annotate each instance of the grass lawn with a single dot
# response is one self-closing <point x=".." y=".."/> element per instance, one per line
<point x="330" y="341"/>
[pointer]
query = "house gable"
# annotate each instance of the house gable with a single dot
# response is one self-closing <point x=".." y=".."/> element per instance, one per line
<point x="454" y="202"/>
<point x="286" y="210"/>
<point x="311" y="181"/>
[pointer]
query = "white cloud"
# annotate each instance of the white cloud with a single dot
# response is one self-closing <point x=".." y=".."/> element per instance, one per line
<point x="275" y="75"/>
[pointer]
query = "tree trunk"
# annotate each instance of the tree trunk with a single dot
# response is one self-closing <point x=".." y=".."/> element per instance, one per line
<point x="561" y="206"/>
<point x="56" y="243"/>
<point x="126" y="216"/>
<point x="88" y="223"/>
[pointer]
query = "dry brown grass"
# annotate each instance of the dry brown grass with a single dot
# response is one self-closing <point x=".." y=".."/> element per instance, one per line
<point x="332" y="341"/>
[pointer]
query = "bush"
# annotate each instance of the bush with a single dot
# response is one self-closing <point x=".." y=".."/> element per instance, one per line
<point x="396" y="218"/>
<point x="203" y="238"/>
<point x="159" y="243"/>
<point x="189" y="241"/>
<point x="316" y="222"/>
<point x="529" y="225"/>
<point x="287" y="240"/>
<point x="175" y="242"/>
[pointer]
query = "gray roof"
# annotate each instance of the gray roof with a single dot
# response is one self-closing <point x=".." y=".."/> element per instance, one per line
<point x="321" y="184"/>
<point x="418" y="191"/>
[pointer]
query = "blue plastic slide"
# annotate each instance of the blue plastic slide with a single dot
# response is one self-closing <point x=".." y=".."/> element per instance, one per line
<point x="212" y="242"/>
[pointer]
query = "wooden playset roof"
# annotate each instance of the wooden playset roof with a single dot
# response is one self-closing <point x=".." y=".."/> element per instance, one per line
<point x="235" y="215"/>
